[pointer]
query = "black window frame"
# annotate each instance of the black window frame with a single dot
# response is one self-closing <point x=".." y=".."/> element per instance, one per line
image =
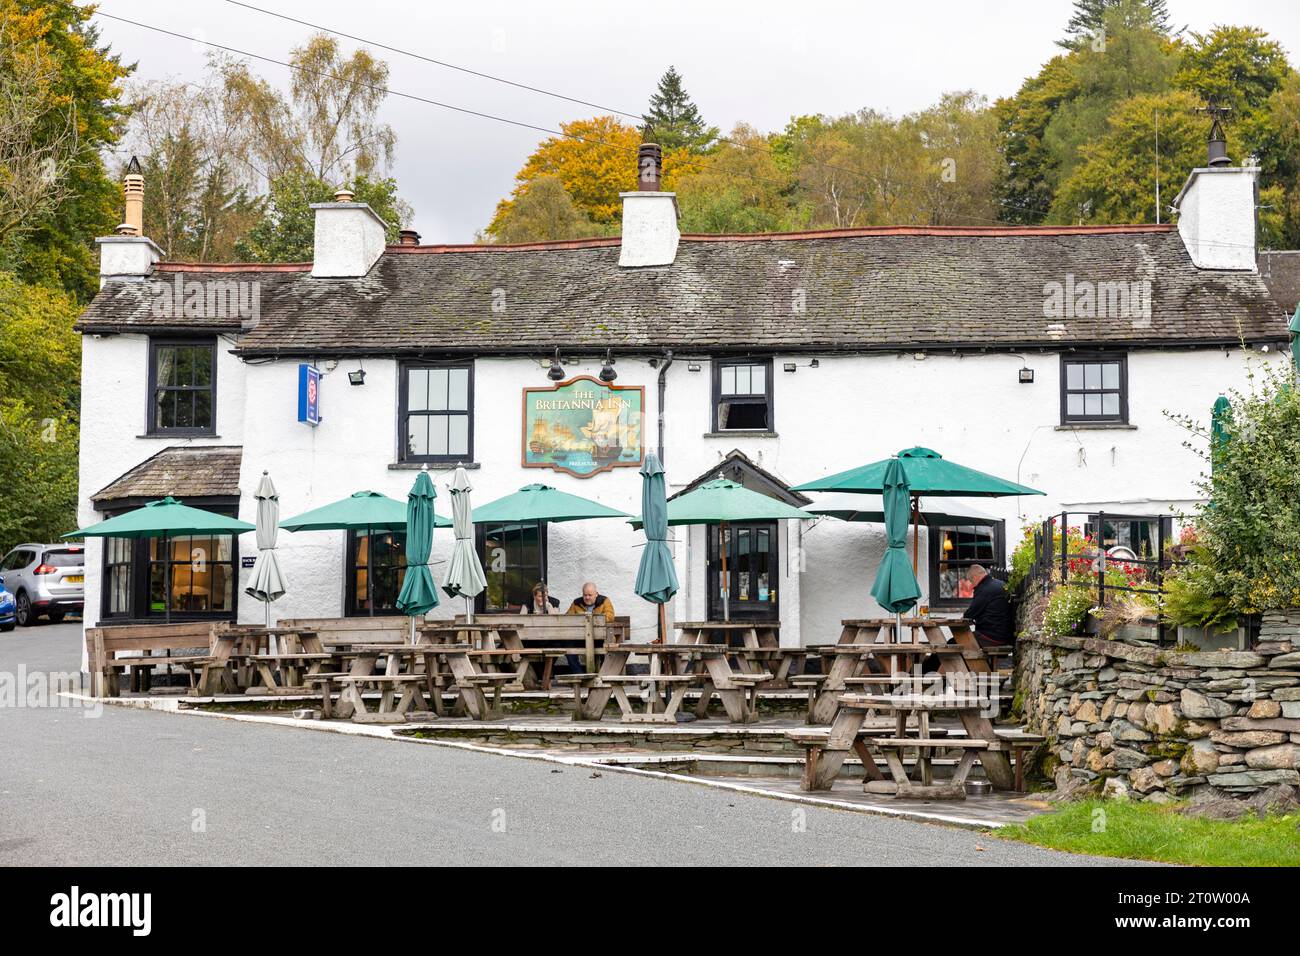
<point x="151" y="410"/>
<point x="751" y="398"/>
<point x="140" y="611"/>
<point x="934" y="536"/>
<point x="351" y="565"/>
<point x="403" y="412"/>
<point x="481" y="533"/>
<point x="1094" y="358"/>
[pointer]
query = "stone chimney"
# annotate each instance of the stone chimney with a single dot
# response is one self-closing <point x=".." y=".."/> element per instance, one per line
<point x="128" y="254"/>
<point x="650" y="233"/>
<point x="1216" y="208"/>
<point x="349" y="237"/>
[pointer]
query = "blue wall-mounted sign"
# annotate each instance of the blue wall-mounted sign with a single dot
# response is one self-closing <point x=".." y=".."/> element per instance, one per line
<point x="309" y="394"/>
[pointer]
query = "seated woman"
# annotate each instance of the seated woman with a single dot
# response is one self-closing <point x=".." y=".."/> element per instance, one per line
<point x="542" y="602"/>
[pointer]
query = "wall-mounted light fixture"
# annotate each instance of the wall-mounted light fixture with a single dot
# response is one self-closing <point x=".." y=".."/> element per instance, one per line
<point x="357" y="377"/>
<point x="692" y="366"/>
<point x="1026" y="376"/>
<point x="607" y="373"/>
<point x="791" y="367"/>
<point x="815" y="363"/>
<point x="556" y="372"/>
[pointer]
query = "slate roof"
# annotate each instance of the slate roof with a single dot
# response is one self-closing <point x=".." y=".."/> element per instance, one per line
<point x="1281" y="273"/>
<point x="182" y="471"/>
<point x="860" y="290"/>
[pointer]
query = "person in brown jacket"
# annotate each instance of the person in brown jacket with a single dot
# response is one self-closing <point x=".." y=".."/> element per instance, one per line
<point x="592" y="602"/>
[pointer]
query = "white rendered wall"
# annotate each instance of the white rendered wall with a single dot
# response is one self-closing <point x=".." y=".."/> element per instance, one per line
<point x="850" y="411"/>
<point x="1216" y="217"/>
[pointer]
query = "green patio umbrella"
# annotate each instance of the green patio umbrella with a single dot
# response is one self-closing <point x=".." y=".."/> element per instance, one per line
<point x="267" y="582"/>
<point x="1220" y="427"/>
<point x="896" y="588"/>
<point x="418" y="595"/>
<point x="363" y="512"/>
<point x="163" y="519"/>
<point x="853" y="506"/>
<point x="928" y="474"/>
<point x="656" y="578"/>
<point x="720" y="502"/>
<point x="1294" y="328"/>
<point x="540" y="505"/>
<point x="465" y="573"/>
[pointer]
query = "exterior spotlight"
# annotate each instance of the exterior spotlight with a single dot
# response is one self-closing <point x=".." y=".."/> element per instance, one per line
<point x="607" y="373"/>
<point x="358" y="377"/>
<point x="1026" y="376"/>
<point x="556" y="371"/>
<point x="692" y="366"/>
<point x="791" y="366"/>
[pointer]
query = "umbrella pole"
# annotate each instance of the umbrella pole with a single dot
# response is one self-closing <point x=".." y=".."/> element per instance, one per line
<point x="370" y="570"/>
<point x="167" y="580"/>
<point x="916" y="534"/>
<point x="469" y="610"/>
<point x="663" y="624"/>
<point x="726" y="578"/>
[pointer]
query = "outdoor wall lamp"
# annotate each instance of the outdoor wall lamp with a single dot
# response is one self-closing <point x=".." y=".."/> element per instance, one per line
<point x="692" y="366"/>
<point x="607" y="373"/>
<point x="358" y="377"/>
<point x="556" y="371"/>
<point x="1026" y="376"/>
<point x="791" y="367"/>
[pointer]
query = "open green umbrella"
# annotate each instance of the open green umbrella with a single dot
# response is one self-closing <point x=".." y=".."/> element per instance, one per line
<point x="1294" y="328"/>
<point x="896" y="588"/>
<point x="418" y="595"/>
<point x="928" y="474"/>
<point x="720" y="502"/>
<point x="268" y="582"/>
<point x="852" y="506"/>
<point x="362" y="512"/>
<point x="656" y="578"/>
<point x="540" y="505"/>
<point x="163" y="519"/>
<point x="465" y="573"/>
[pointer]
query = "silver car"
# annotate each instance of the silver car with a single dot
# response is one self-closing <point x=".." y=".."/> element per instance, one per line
<point x="46" y="580"/>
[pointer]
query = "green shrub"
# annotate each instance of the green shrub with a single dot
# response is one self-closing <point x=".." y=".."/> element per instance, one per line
<point x="1193" y="597"/>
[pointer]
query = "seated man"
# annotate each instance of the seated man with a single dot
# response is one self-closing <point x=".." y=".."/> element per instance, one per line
<point x="990" y="609"/>
<point x="592" y="602"/>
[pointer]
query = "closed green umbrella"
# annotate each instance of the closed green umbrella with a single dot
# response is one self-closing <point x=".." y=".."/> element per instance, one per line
<point x="418" y="595"/>
<point x="163" y="519"/>
<point x="656" y="578"/>
<point x="540" y="505"/>
<point x="464" y="574"/>
<point x="1294" y="328"/>
<point x="896" y="588"/>
<point x="720" y="502"/>
<point x="1220" y="430"/>
<point x="362" y="512"/>
<point x="268" y="582"/>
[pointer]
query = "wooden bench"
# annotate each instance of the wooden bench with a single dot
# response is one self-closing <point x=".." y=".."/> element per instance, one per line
<point x="104" y="644"/>
<point x="392" y="707"/>
<point x="339" y="632"/>
<point x="141" y="667"/>
<point x="677" y="685"/>
<point x="583" y="685"/>
<point x="290" y="668"/>
<point x="582" y="635"/>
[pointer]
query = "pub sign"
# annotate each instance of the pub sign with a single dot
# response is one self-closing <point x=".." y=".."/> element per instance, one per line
<point x="583" y="427"/>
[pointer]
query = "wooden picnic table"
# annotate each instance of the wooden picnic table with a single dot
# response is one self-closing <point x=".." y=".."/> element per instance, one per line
<point x="756" y="646"/>
<point x="499" y="646"/>
<point x="897" y="665"/>
<point x="293" y="670"/>
<point x="673" y="672"/>
<point x="226" y="668"/>
<point x="401" y="682"/>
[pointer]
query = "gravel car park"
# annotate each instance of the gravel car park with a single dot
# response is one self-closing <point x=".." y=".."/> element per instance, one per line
<point x="46" y="580"/>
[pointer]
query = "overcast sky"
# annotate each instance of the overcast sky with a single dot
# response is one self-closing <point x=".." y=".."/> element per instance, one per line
<point x="759" y="62"/>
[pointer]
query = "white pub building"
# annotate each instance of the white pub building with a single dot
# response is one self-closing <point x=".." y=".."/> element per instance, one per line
<point x="1051" y="356"/>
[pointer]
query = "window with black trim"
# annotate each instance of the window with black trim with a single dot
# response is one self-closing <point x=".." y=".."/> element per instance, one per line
<point x="436" y="413"/>
<point x="119" y="555"/>
<point x="953" y="549"/>
<point x="182" y="387"/>
<point x="513" y="561"/>
<point x="384" y="554"/>
<point x="742" y="395"/>
<point x="1094" y="389"/>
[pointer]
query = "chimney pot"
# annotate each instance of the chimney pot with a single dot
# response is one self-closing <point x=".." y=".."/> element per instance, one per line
<point x="649" y="163"/>
<point x="408" y="237"/>
<point x="133" y="196"/>
<point x="344" y="194"/>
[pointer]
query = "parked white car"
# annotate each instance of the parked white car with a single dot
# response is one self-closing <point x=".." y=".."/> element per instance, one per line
<point x="46" y="580"/>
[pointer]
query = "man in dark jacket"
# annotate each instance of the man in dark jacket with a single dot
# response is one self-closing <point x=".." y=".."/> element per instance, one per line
<point x="990" y="609"/>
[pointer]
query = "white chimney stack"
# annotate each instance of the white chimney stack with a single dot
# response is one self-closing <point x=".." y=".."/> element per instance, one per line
<point x="1216" y="208"/>
<point x="650" y="233"/>
<point x="128" y="254"/>
<point x="349" y="238"/>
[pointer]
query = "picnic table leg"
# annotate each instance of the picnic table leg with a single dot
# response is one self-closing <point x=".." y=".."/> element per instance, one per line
<point x="731" y="696"/>
<point x="706" y="694"/>
<point x="996" y="766"/>
<point x="828" y="699"/>
<point x="598" y="697"/>
<point x="362" y="666"/>
<point x="843" y="735"/>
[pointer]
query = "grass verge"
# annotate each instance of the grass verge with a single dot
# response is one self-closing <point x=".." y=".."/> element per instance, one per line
<point x="1140" y="831"/>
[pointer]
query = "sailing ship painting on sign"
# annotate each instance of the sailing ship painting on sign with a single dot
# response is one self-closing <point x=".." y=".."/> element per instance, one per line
<point x="583" y="427"/>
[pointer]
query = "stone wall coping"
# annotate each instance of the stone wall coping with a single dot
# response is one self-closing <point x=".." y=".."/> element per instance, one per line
<point x="1154" y="656"/>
